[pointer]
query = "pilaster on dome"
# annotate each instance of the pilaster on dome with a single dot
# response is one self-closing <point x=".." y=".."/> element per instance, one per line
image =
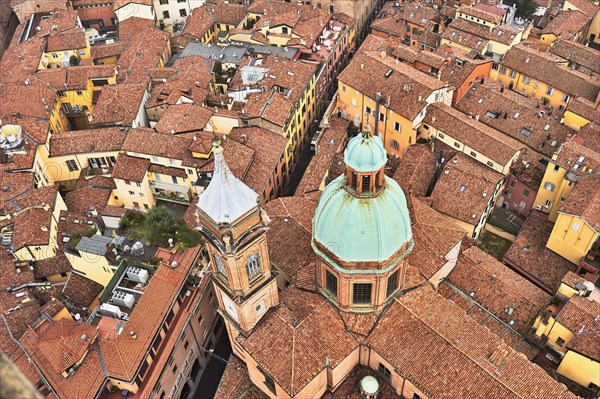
<point x="226" y="198"/>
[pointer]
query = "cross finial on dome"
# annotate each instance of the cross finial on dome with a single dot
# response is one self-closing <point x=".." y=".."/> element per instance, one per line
<point x="366" y="133"/>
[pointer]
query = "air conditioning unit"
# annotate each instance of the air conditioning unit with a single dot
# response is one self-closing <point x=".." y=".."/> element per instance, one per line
<point x="123" y="299"/>
<point x="106" y="309"/>
<point x="538" y="207"/>
<point x="137" y="274"/>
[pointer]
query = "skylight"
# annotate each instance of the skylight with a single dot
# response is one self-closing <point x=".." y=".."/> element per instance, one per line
<point x="525" y="132"/>
<point x="462" y="188"/>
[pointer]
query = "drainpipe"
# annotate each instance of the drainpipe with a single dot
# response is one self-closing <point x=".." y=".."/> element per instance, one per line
<point x="377" y="100"/>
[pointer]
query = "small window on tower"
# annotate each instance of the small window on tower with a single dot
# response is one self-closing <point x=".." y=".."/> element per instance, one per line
<point x="354" y="182"/>
<point x="366" y="183"/>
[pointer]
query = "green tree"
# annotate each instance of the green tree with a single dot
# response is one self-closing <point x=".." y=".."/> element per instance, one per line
<point x="526" y="8"/>
<point x="161" y="221"/>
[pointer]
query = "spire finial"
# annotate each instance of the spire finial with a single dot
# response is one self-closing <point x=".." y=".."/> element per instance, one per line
<point x="366" y="133"/>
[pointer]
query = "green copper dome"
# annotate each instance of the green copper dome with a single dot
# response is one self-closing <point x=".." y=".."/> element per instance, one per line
<point x="365" y="153"/>
<point x="358" y="229"/>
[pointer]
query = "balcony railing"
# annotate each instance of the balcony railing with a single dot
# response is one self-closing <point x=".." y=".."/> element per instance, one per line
<point x="171" y="192"/>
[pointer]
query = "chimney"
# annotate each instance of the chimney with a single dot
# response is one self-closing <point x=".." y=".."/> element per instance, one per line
<point x="433" y="119"/>
<point x="362" y="65"/>
<point x="383" y="53"/>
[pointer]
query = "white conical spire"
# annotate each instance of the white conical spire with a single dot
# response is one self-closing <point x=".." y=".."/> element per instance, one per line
<point x="226" y="198"/>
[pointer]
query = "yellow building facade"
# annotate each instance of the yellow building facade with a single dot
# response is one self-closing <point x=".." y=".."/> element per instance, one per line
<point x="529" y="86"/>
<point x="572" y="237"/>
<point x="555" y="187"/>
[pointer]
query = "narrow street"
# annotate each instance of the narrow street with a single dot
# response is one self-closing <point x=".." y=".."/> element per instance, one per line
<point x="209" y="382"/>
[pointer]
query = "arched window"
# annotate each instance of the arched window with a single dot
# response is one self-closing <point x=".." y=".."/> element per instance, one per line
<point x="253" y="267"/>
<point x="220" y="266"/>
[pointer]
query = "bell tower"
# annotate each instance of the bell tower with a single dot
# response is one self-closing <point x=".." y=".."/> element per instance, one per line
<point x="234" y="227"/>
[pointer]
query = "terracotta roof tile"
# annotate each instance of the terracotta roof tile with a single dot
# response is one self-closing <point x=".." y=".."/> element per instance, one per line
<point x="472" y="184"/>
<point x="586" y="344"/>
<point x="118" y="104"/>
<point x="585" y="6"/>
<point x="567" y="24"/>
<point x="32" y="228"/>
<point x="570" y="154"/>
<point x="84" y="199"/>
<point x="407" y="104"/>
<point x="57" y="346"/>
<point x="148" y="142"/>
<point x="585" y="108"/>
<point x="299" y="209"/>
<point x="81" y="291"/>
<point x="416" y="170"/>
<point x="70" y="40"/>
<point x="183" y="118"/>
<point x="268" y="147"/>
<point x="167" y="170"/>
<point x="495" y="108"/>
<point x="198" y="22"/>
<point x="297" y="339"/>
<point x="131" y="168"/>
<point x="87" y="141"/>
<point x="498" y="288"/>
<point x="49" y="266"/>
<point x="124" y="355"/>
<point x="477" y="135"/>
<point x="580" y="315"/>
<point x="235" y="382"/>
<point x="584" y="201"/>
<point x="547" y="68"/>
<point x="434" y="236"/>
<point x="529" y="255"/>
<point x="423" y="325"/>
<point x="577" y="53"/>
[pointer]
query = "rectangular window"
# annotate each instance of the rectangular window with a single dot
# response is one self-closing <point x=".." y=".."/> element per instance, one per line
<point x="549" y="91"/>
<point x="526" y="79"/>
<point x="361" y="293"/>
<point x="495" y="67"/>
<point x="343" y="88"/>
<point x="164" y="2"/>
<point x="366" y="183"/>
<point x="353" y="103"/>
<point x="72" y="165"/>
<point x="368" y="110"/>
<point x="79" y="93"/>
<point x="526" y="193"/>
<point x="473" y="154"/>
<point x="166" y="15"/>
<point x="384" y="372"/>
<point x="502" y="70"/>
<point x="575" y="226"/>
<point x="490" y="164"/>
<point x="565" y="98"/>
<point x="392" y="283"/>
<point x="549" y="186"/>
<point x="548" y="204"/>
<point x="397" y="126"/>
<point x="556" y="167"/>
<point x="381" y="117"/>
<point x="512" y="73"/>
<point x="182" y="12"/>
<point x="174" y="179"/>
<point x="331" y="283"/>
<point x="457" y="144"/>
<point x="132" y="193"/>
<point x="560" y="341"/>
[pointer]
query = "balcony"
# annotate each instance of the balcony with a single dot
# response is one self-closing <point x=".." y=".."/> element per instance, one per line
<point x="171" y="192"/>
